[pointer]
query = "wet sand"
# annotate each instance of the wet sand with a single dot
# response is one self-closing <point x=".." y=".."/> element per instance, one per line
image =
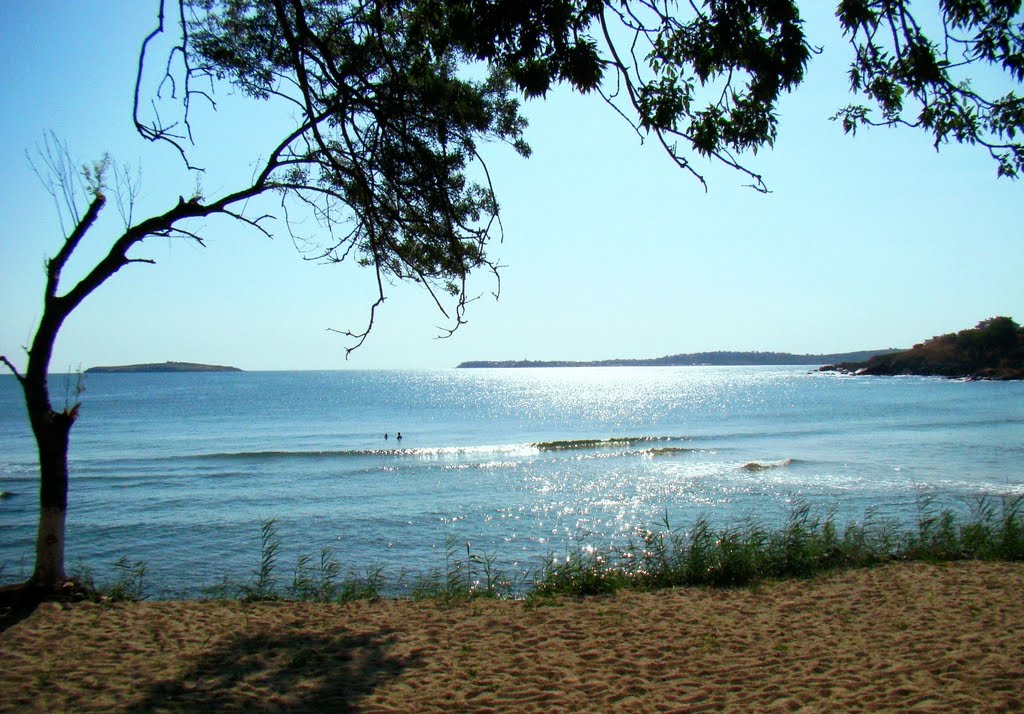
<point x="900" y="637"/>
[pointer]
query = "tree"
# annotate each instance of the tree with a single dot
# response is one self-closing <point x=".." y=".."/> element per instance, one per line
<point x="1000" y="332"/>
<point x="392" y="99"/>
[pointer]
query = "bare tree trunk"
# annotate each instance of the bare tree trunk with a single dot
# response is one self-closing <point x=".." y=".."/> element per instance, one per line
<point x="52" y="431"/>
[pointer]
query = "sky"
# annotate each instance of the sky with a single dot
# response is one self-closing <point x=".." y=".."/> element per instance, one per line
<point x="609" y="250"/>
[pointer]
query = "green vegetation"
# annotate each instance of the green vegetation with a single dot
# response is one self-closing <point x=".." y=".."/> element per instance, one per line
<point x="312" y="580"/>
<point x="807" y="545"/>
<point x="463" y="579"/>
<point x="127" y="586"/>
<point x="993" y="349"/>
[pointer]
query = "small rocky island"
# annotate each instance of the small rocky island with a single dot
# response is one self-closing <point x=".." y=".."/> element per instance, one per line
<point x="994" y="349"/>
<point x="163" y="367"/>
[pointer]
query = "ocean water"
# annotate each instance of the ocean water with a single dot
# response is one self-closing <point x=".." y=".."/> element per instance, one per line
<point x="178" y="470"/>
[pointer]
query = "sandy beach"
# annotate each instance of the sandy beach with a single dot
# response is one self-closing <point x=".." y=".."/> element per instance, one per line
<point x="900" y="637"/>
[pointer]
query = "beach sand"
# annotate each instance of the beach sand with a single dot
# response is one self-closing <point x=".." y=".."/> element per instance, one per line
<point x="900" y="637"/>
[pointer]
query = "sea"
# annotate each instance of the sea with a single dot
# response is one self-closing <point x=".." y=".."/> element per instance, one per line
<point x="517" y="466"/>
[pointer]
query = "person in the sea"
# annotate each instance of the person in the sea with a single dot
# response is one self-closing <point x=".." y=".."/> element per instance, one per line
<point x="385" y="436"/>
<point x="399" y="436"/>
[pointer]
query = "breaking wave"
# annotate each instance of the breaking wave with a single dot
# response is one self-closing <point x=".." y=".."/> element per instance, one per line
<point x="613" y="442"/>
<point x="755" y="466"/>
<point x="646" y="445"/>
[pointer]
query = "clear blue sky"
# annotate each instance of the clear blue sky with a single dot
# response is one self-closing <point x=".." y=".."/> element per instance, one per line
<point x="609" y="250"/>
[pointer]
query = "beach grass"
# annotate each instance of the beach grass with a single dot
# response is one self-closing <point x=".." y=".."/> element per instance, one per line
<point x="808" y="543"/>
<point x="313" y="579"/>
<point x="128" y="585"/>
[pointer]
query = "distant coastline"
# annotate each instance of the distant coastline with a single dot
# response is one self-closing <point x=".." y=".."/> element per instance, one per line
<point x="162" y="367"/>
<point x="699" y="359"/>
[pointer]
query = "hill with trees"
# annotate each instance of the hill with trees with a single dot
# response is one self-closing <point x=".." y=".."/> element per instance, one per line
<point x="699" y="359"/>
<point x="993" y="349"/>
<point x="162" y="367"/>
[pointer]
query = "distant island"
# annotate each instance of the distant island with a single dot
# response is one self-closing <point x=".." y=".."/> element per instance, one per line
<point x="993" y="349"/>
<point x="162" y="367"/>
<point x="699" y="359"/>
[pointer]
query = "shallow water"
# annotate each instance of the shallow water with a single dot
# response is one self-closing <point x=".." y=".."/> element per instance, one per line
<point x="179" y="469"/>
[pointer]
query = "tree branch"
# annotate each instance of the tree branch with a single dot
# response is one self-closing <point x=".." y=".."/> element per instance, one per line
<point x="159" y="132"/>
<point x="55" y="265"/>
<point x="14" y="370"/>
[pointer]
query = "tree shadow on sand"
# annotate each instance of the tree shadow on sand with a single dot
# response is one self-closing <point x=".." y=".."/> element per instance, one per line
<point x="280" y="672"/>
<point x="19" y="600"/>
